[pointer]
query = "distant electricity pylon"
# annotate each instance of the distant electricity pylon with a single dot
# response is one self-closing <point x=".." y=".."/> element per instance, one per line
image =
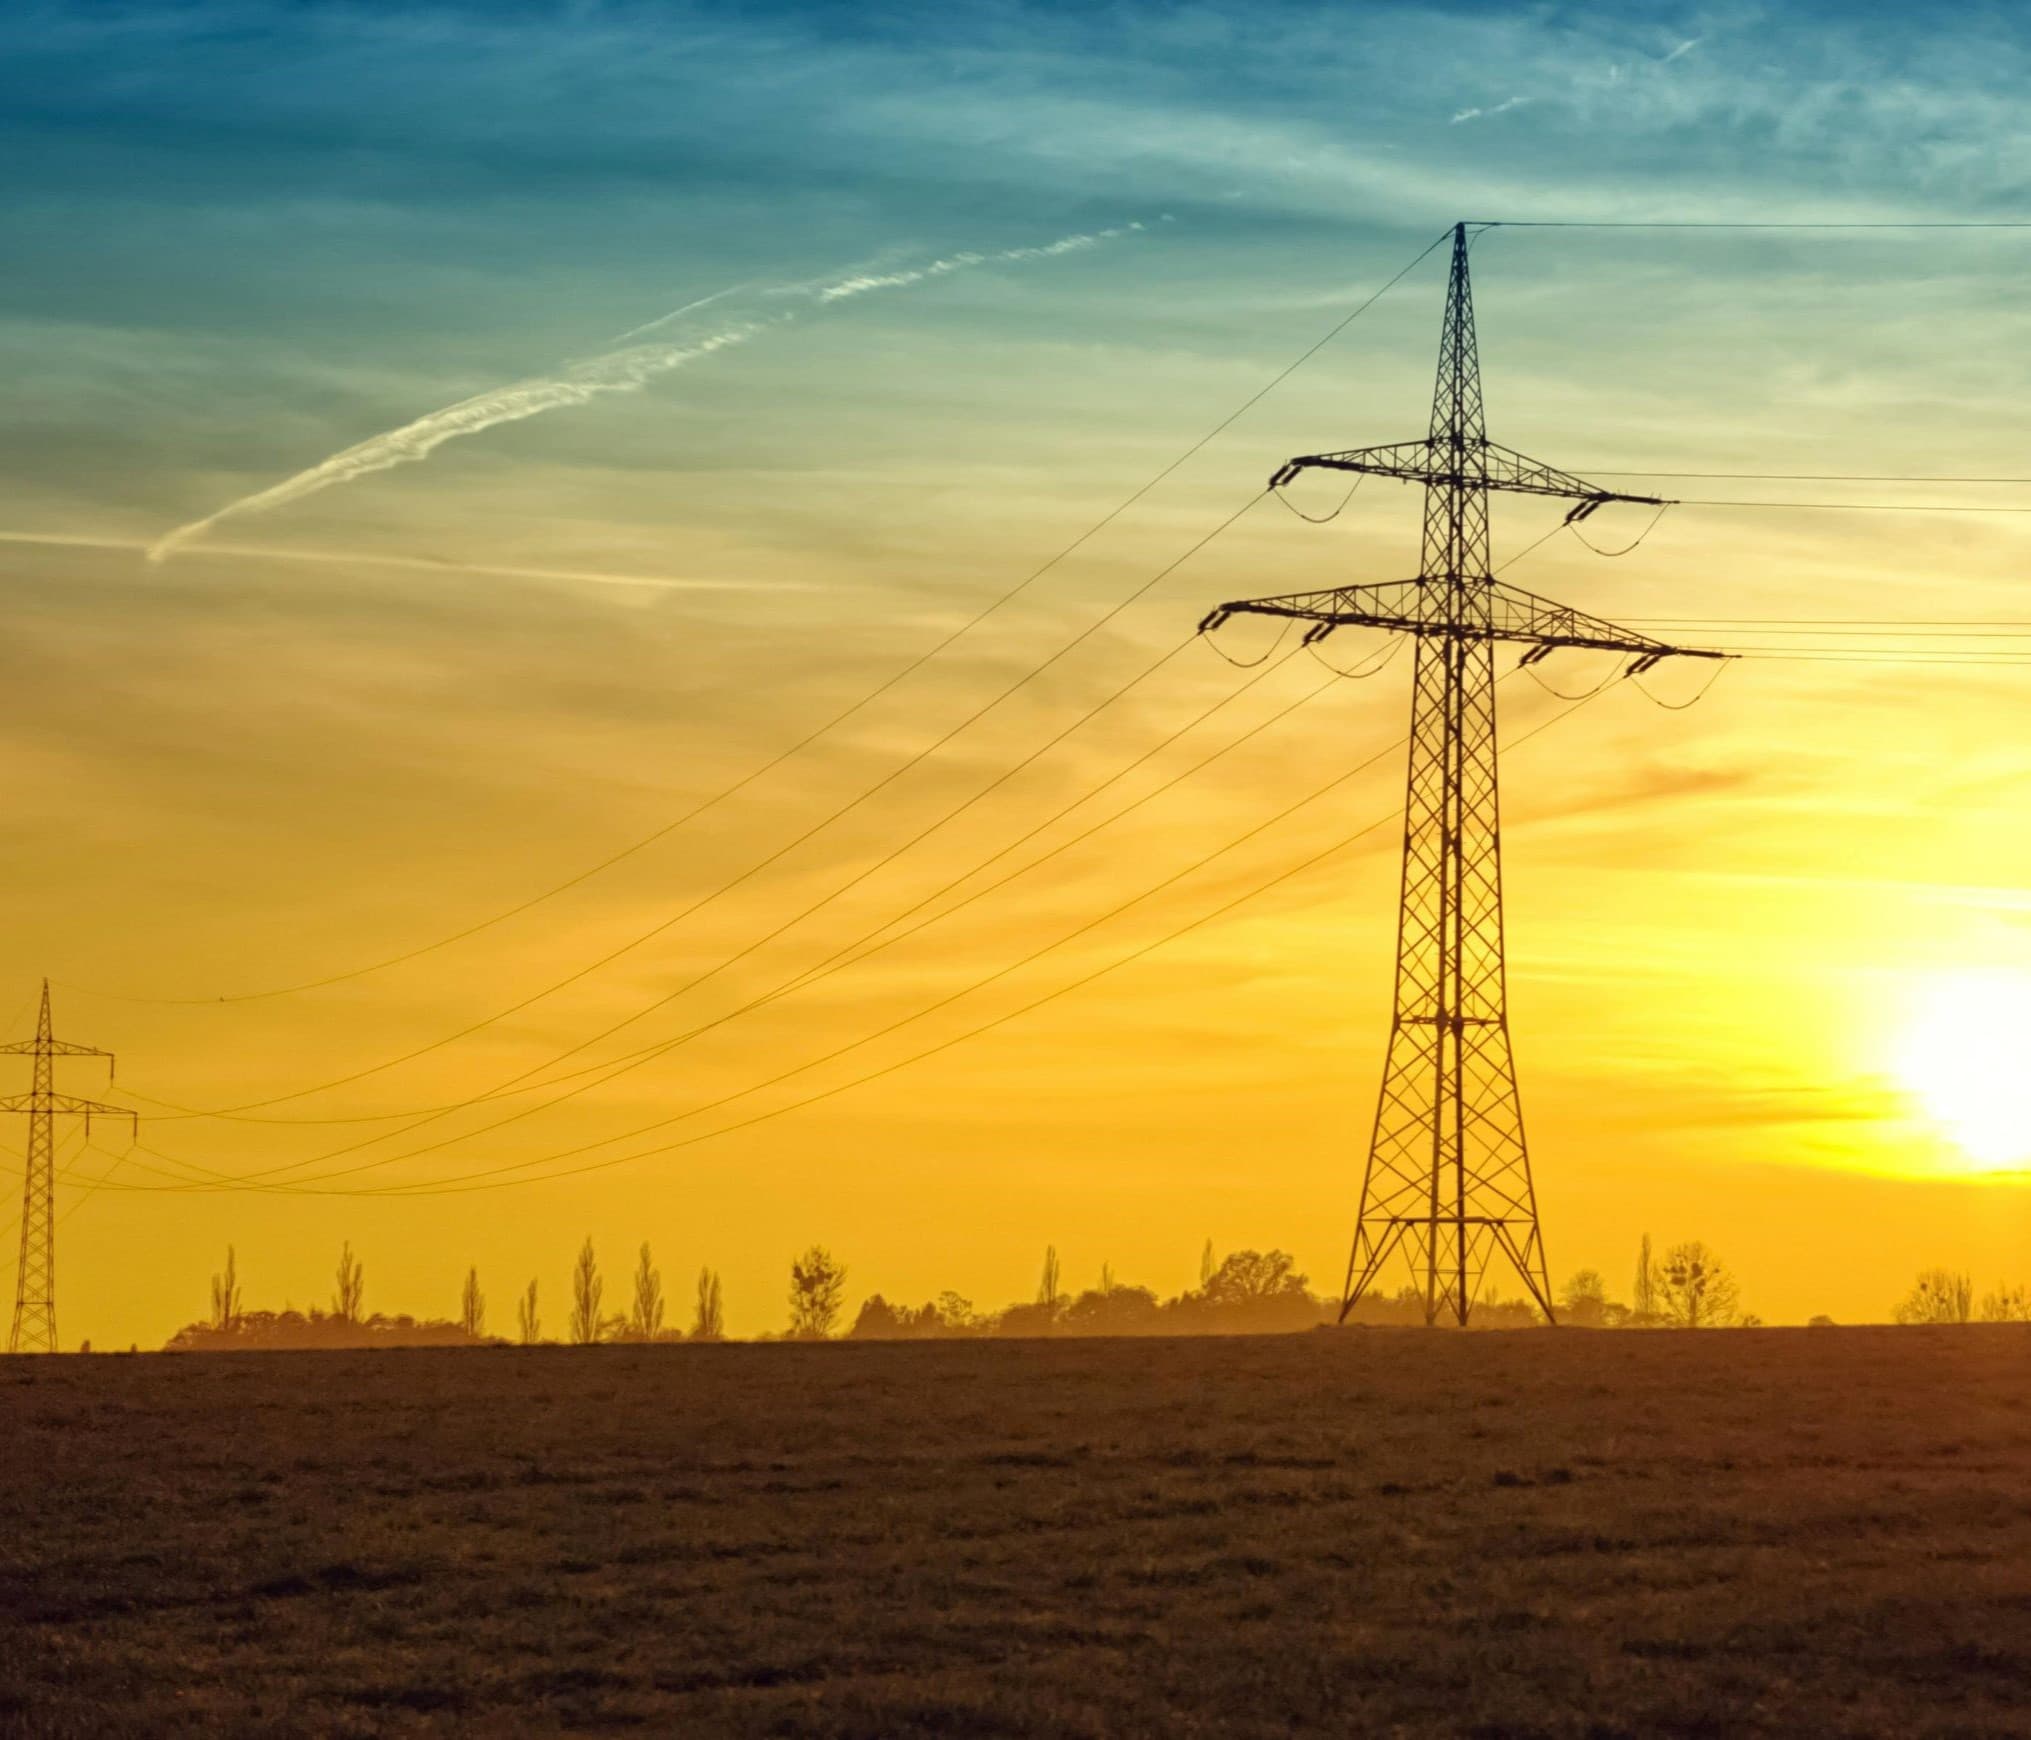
<point x="1448" y="1177"/>
<point x="34" y="1328"/>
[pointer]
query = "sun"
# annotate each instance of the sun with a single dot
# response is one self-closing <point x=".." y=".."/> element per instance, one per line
<point x="1965" y="1054"/>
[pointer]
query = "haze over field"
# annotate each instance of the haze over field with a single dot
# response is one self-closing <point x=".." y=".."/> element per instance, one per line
<point x="953" y="285"/>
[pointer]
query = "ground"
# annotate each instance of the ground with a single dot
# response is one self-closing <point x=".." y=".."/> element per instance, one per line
<point x="1804" y="1531"/>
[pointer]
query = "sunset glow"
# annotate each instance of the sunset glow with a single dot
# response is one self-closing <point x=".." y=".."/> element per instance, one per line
<point x="602" y="632"/>
<point x="1965" y="1053"/>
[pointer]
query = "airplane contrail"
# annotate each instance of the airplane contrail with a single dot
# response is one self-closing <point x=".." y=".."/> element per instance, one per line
<point x="620" y="371"/>
<point x="676" y="313"/>
<point x="614" y="371"/>
<point x="862" y="282"/>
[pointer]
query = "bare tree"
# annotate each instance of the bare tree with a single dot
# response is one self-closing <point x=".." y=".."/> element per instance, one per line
<point x="226" y="1295"/>
<point x="2006" y="1305"/>
<point x="1050" y="1293"/>
<point x="1694" y="1289"/>
<point x="1584" y="1299"/>
<point x="1643" y="1302"/>
<point x="1938" y="1296"/>
<point x="817" y="1289"/>
<point x="351" y="1296"/>
<point x="526" y="1319"/>
<point x="645" y="1315"/>
<point x="708" y="1318"/>
<point x="587" y="1289"/>
<point x="472" y="1306"/>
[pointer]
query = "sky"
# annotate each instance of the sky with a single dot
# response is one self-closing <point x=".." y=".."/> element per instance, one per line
<point x="970" y="278"/>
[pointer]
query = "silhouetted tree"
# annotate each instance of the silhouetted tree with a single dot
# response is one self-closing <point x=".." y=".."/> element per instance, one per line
<point x="1694" y="1289"/>
<point x="1247" y="1277"/>
<point x="315" y="1329"/>
<point x="351" y="1296"/>
<point x="526" y="1319"/>
<point x="226" y="1296"/>
<point x="472" y="1306"/>
<point x="645" y="1315"/>
<point x="1938" y="1296"/>
<point x="1643" y="1297"/>
<point x="708" y="1319"/>
<point x="1114" y="1310"/>
<point x="587" y="1289"/>
<point x="877" y="1320"/>
<point x="1050" y="1294"/>
<point x="1031" y="1318"/>
<point x="817" y="1284"/>
<point x="2006" y="1305"/>
<point x="1583" y="1300"/>
<point x="1207" y="1264"/>
<point x="1107" y="1277"/>
<point x="1250" y="1291"/>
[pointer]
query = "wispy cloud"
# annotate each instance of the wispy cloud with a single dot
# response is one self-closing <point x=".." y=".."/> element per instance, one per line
<point x="625" y="370"/>
<point x="1685" y="47"/>
<point x="411" y="564"/>
<point x="1501" y="108"/>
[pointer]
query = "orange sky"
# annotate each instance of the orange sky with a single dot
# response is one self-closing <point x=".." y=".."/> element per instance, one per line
<point x="337" y="731"/>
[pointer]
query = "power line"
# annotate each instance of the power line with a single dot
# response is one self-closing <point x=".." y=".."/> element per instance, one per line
<point x="1805" y="623"/>
<point x="1861" y="657"/>
<point x="917" y="759"/>
<point x="1864" y="507"/>
<point x="1799" y="476"/>
<point x="444" y="1186"/>
<point x="309" y="1187"/>
<point x="840" y="718"/>
<point x="1721" y="224"/>
<point x="836" y="961"/>
<point x="729" y="960"/>
<point x="1151" y="947"/>
<point x="839" y="959"/>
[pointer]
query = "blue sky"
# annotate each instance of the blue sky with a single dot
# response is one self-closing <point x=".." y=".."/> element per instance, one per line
<point x="299" y="220"/>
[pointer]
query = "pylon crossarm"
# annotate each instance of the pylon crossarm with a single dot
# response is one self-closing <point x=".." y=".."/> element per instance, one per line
<point x="1474" y="463"/>
<point x="1488" y="611"/>
<point x="1387" y="604"/>
<point x="53" y="1047"/>
<point x="66" y="1103"/>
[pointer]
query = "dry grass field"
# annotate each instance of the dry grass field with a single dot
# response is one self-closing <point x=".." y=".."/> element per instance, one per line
<point x="1810" y="1531"/>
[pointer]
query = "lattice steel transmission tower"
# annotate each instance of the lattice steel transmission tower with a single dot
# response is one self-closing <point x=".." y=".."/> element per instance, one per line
<point x="34" y="1328"/>
<point x="1448" y="1178"/>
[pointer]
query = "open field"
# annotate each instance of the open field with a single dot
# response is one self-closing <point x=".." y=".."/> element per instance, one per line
<point x="1823" y="1531"/>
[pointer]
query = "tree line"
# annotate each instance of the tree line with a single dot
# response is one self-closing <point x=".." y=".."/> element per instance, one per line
<point x="347" y="1322"/>
<point x="1948" y="1296"/>
<point x="1243" y="1292"/>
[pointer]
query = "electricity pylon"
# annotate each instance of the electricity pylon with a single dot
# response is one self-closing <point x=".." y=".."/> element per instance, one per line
<point x="34" y="1328"/>
<point x="1448" y="1176"/>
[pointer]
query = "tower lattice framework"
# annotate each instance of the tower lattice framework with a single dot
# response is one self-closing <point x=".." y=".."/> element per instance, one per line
<point x="1448" y="1180"/>
<point x="34" y="1329"/>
